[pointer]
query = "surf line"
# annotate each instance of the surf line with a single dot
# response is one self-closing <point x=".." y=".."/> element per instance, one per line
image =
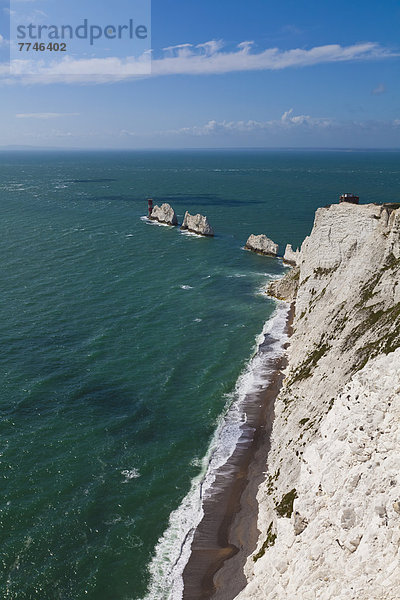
<point x="234" y="435"/>
<point x="227" y="533"/>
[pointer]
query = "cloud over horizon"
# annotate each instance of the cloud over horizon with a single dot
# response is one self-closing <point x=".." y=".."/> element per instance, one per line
<point x="287" y="121"/>
<point x="287" y="124"/>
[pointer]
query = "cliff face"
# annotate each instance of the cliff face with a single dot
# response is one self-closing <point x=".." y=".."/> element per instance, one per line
<point x="327" y="506"/>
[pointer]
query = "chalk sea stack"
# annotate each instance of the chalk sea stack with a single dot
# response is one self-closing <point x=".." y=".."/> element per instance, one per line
<point x="197" y="224"/>
<point x="291" y="257"/>
<point x="164" y="214"/>
<point x="262" y="245"/>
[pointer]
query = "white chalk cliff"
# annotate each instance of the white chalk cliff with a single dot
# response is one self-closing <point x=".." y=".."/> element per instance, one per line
<point x="329" y="509"/>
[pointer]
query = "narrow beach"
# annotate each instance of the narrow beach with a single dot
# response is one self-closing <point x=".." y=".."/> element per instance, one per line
<point x="228" y="533"/>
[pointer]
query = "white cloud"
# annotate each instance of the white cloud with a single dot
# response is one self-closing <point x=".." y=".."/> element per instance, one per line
<point x="186" y="59"/>
<point x="4" y="69"/>
<point x="288" y="124"/>
<point x="211" y="47"/>
<point x="178" y="50"/>
<point x="245" y="47"/>
<point x="224" y="127"/>
<point x="380" y="89"/>
<point x="289" y="130"/>
<point x="288" y="120"/>
<point x="45" y="116"/>
<point x="70" y="70"/>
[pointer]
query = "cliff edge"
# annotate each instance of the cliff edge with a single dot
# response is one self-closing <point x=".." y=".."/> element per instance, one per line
<point x="329" y="510"/>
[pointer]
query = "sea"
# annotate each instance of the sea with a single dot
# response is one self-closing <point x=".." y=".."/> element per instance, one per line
<point x="127" y="348"/>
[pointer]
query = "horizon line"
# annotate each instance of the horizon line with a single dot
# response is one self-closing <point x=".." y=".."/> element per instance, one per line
<point x="27" y="148"/>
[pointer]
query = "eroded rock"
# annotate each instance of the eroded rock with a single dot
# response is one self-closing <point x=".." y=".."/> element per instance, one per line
<point x="291" y="257"/>
<point x="262" y="245"/>
<point x="299" y="523"/>
<point x="285" y="288"/>
<point x="164" y="214"/>
<point x="197" y="224"/>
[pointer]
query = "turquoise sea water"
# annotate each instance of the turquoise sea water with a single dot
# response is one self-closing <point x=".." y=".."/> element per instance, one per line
<point x="123" y="344"/>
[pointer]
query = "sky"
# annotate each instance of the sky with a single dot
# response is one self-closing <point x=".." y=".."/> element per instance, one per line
<point x="260" y="73"/>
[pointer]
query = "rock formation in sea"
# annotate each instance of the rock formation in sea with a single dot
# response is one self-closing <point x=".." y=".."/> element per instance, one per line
<point x="329" y="509"/>
<point x="291" y="257"/>
<point x="197" y="224"/>
<point x="164" y="214"/>
<point x="262" y="245"/>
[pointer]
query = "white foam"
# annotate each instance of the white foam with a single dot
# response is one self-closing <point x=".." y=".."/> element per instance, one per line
<point x="173" y="548"/>
<point x="153" y="222"/>
<point x="274" y="277"/>
<point x="130" y="474"/>
<point x="191" y="234"/>
<point x="186" y="287"/>
<point x="262" y="290"/>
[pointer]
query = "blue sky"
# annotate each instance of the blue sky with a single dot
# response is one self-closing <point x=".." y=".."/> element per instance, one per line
<point x="259" y="73"/>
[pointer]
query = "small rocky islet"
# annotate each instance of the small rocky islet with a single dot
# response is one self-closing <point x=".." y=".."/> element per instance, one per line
<point x="197" y="224"/>
<point x="261" y="244"/>
<point x="200" y="225"/>
<point x="163" y="214"/>
<point x="166" y="215"/>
